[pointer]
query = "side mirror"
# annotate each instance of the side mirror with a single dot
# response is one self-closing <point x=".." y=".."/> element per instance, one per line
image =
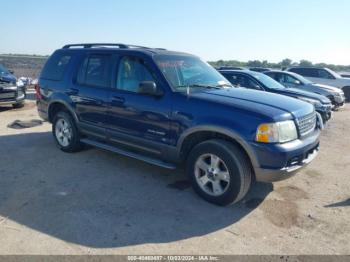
<point x="297" y="82"/>
<point x="257" y="87"/>
<point x="149" y="88"/>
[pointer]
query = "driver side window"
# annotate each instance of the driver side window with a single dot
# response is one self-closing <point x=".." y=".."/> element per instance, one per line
<point x="131" y="72"/>
<point x="290" y="80"/>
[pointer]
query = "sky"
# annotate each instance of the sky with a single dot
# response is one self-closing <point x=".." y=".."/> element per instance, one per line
<point x="316" y="30"/>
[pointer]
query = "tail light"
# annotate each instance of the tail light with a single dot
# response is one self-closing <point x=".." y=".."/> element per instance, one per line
<point x="38" y="95"/>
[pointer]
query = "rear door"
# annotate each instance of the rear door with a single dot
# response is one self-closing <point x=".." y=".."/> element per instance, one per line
<point x="90" y="92"/>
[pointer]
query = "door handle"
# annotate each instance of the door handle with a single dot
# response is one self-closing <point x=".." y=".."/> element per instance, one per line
<point x="118" y="99"/>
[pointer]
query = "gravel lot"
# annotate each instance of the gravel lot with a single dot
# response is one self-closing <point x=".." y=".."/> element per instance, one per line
<point x="96" y="202"/>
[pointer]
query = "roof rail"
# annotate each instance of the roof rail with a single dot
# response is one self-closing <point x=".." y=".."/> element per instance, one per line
<point x="91" y="45"/>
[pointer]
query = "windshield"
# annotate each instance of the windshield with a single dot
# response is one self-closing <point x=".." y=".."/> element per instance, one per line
<point x="336" y="75"/>
<point x="189" y="71"/>
<point x="3" y="70"/>
<point x="267" y="81"/>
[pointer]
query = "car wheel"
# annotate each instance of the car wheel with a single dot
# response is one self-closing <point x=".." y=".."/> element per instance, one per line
<point x="18" y="105"/>
<point x="219" y="172"/>
<point x="65" y="132"/>
<point x="346" y="90"/>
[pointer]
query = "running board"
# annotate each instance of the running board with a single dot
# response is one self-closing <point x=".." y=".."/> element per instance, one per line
<point x="114" y="149"/>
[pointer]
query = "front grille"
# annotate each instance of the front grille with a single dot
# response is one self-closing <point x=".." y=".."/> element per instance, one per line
<point x="7" y="95"/>
<point x="306" y="124"/>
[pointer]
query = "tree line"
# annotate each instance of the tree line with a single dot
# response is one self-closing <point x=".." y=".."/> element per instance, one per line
<point x="284" y="63"/>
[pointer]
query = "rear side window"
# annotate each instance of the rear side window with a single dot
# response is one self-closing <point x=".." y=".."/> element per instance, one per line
<point x="96" y="70"/>
<point x="308" y="72"/>
<point x="56" y="66"/>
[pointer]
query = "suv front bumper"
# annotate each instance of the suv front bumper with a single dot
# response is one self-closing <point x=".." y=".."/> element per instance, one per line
<point x="281" y="161"/>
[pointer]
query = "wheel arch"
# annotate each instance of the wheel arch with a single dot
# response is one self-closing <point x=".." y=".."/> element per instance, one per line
<point x="196" y="135"/>
<point x="59" y="105"/>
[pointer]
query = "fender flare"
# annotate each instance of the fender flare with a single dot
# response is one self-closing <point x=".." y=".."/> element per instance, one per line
<point x="66" y="105"/>
<point x="224" y="131"/>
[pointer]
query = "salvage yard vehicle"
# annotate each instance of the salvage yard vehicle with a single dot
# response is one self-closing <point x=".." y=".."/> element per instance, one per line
<point x="324" y="76"/>
<point x="10" y="92"/>
<point x="173" y="109"/>
<point x="262" y="82"/>
<point x="290" y="79"/>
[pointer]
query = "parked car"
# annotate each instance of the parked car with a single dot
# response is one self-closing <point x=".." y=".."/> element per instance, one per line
<point x="259" y="69"/>
<point x="7" y="75"/>
<point x="324" y="76"/>
<point x="262" y="82"/>
<point x="10" y="92"/>
<point x="230" y="68"/>
<point x="290" y="79"/>
<point x="345" y="74"/>
<point x="171" y="109"/>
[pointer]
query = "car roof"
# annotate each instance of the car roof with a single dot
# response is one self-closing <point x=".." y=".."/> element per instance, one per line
<point x="120" y="47"/>
<point x="279" y="71"/>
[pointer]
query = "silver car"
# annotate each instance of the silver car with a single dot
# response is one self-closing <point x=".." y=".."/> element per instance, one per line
<point x="289" y="79"/>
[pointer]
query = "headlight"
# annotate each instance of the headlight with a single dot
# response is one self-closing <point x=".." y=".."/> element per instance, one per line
<point x="278" y="132"/>
<point x="311" y="101"/>
<point x="20" y="83"/>
<point x="338" y="94"/>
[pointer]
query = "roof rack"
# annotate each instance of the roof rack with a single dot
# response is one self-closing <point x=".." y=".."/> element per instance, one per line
<point x="91" y="45"/>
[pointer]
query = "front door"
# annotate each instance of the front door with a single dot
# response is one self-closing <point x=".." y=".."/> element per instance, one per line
<point x="138" y="120"/>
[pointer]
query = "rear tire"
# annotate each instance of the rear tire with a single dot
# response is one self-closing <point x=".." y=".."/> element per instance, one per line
<point x="65" y="132"/>
<point x="219" y="172"/>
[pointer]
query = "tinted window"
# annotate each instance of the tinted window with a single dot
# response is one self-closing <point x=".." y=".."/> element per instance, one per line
<point x="131" y="72"/>
<point x="242" y="81"/>
<point x="287" y="79"/>
<point x="308" y="72"/>
<point x="56" y="66"/>
<point x="95" y="71"/>
<point x="272" y="75"/>
<point x="324" y="74"/>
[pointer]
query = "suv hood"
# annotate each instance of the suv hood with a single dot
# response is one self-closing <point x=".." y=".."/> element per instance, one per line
<point x="265" y="103"/>
<point x="327" y="87"/>
<point x="295" y="92"/>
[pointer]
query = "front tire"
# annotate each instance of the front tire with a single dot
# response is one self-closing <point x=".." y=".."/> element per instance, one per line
<point x="66" y="133"/>
<point x="219" y="172"/>
<point x="346" y="90"/>
<point x="18" y="105"/>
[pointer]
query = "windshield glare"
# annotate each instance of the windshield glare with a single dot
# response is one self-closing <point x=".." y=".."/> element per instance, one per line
<point x="3" y="70"/>
<point x="189" y="71"/>
<point x="268" y="81"/>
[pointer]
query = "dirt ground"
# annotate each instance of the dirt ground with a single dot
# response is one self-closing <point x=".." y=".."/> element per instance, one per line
<point x="96" y="202"/>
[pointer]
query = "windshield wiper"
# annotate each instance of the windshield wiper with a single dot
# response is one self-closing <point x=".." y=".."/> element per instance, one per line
<point x="205" y="86"/>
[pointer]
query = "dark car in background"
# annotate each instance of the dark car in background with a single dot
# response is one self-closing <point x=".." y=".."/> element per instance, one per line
<point x="259" y="69"/>
<point x="293" y="80"/>
<point x="259" y="81"/>
<point x="173" y="109"/>
<point x="10" y="92"/>
<point x="230" y="68"/>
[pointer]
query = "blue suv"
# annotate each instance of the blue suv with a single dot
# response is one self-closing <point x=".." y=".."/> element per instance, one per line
<point x="173" y="110"/>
